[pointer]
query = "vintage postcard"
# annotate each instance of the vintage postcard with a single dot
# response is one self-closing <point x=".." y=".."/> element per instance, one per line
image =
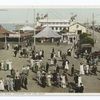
<point x="49" y="50"/>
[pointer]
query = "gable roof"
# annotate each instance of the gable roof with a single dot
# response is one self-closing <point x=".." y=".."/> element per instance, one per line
<point x="77" y="23"/>
<point x="47" y="32"/>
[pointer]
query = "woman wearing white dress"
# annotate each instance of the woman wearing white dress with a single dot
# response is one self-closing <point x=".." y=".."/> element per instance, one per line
<point x="66" y="66"/>
<point x="63" y="81"/>
<point x="81" y="69"/>
<point x="79" y="80"/>
<point x="59" y="53"/>
<point x="2" y="65"/>
<point x="87" y="69"/>
<point x="52" y="62"/>
<point x="1" y="85"/>
<point x="49" y="76"/>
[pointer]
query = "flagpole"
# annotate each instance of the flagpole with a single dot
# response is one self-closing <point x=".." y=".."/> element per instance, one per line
<point x="47" y="19"/>
<point x="34" y="29"/>
<point x="5" y="40"/>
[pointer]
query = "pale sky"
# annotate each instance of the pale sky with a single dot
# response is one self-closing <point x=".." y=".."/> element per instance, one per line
<point x="20" y="15"/>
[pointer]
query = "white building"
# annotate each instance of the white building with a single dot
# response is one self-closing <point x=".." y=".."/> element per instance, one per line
<point x="56" y="24"/>
<point x="77" y="28"/>
<point x="70" y="38"/>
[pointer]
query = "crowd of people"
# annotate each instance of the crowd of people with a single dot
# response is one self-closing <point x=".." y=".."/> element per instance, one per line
<point x="48" y="73"/>
<point x="14" y="82"/>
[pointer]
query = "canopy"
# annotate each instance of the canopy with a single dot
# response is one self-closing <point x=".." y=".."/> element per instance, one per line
<point x="27" y="28"/>
<point x="47" y="33"/>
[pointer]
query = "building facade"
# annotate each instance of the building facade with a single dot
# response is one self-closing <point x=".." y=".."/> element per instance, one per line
<point x="70" y="38"/>
<point x="77" y="28"/>
<point x="56" y="24"/>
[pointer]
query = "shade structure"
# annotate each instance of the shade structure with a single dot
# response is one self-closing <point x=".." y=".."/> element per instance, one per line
<point x="27" y="28"/>
<point x="47" y="32"/>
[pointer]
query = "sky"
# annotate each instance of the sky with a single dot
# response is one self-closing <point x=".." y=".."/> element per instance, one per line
<point x="20" y="15"/>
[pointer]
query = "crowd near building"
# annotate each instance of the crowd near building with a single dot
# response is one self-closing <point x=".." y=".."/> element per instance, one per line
<point x="49" y="73"/>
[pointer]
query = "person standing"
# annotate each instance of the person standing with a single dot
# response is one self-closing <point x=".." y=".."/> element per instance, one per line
<point x="49" y="79"/>
<point x="42" y="54"/>
<point x="17" y="73"/>
<point x="15" y="53"/>
<point x="39" y="77"/>
<point x="1" y="85"/>
<point x="54" y="78"/>
<point x="57" y="69"/>
<point x="43" y="80"/>
<point x="87" y="69"/>
<point x="11" y="84"/>
<point x="47" y="67"/>
<point x="81" y="88"/>
<point x="25" y="82"/>
<point x="16" y="83"/>
<point x="59" y="54"/>
<point x="79" y="80"/>
<point x="63" y="81"/>
<point x="72" y="70"/>
<point x="12" y="73"/>
<point x="66" y="66"/>
<point x="7" y="83"/>
<point x="58" y="80"/>
<point x="81" y="69"/>
<point x="55" y="61"/>
<point x="76" y="78"/>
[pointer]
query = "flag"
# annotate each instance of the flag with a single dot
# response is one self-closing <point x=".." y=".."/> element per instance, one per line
<point x="38" y="17"/>
<point x="73" y="18"/>
<point x="45" y="16"/>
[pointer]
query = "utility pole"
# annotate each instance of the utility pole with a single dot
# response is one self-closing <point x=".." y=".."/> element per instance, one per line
<point x="93" y="25"/>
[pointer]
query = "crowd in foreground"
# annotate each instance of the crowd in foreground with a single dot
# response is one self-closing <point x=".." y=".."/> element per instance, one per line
<point x="47" y="74"/>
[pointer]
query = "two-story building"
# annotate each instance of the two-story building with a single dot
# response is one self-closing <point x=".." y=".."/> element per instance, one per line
<point x="56" y="24"/>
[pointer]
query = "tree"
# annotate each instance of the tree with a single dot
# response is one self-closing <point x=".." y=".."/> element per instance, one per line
<point x="86" y="39"/>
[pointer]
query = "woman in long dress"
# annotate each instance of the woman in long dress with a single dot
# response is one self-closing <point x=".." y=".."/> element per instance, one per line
<point x="39" y="76"/>
<point x="59" y="53"/>
<point x="87" y="69"/>
<point x="52" y="62"/>
<point x="79" y="81"/>
<point x="2" y="65"/>
<point x="81" y="69"/>
<point x="1" y="85"/>
<point x="49" y="79"/>
<point x="63" y="81"/>
<point x="66" y="66"/>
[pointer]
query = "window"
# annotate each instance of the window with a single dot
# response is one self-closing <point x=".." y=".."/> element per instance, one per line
<point x="52" y="28"/>
<point x="56" y="28"/>
<point x="60" y="28"/>
<point x="77" y="26"/>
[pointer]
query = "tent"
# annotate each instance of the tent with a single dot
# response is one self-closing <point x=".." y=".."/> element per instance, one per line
<point x="47" y="32"/>
<point x="27" y="28"/>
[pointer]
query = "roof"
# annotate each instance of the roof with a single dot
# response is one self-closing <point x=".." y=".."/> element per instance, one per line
<point x="3" y="31"/>
<point x="47" y="32"/>
<point x="53" y="20"/>
<point x="77" y="23"/>
<point x="27" y="28"/>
